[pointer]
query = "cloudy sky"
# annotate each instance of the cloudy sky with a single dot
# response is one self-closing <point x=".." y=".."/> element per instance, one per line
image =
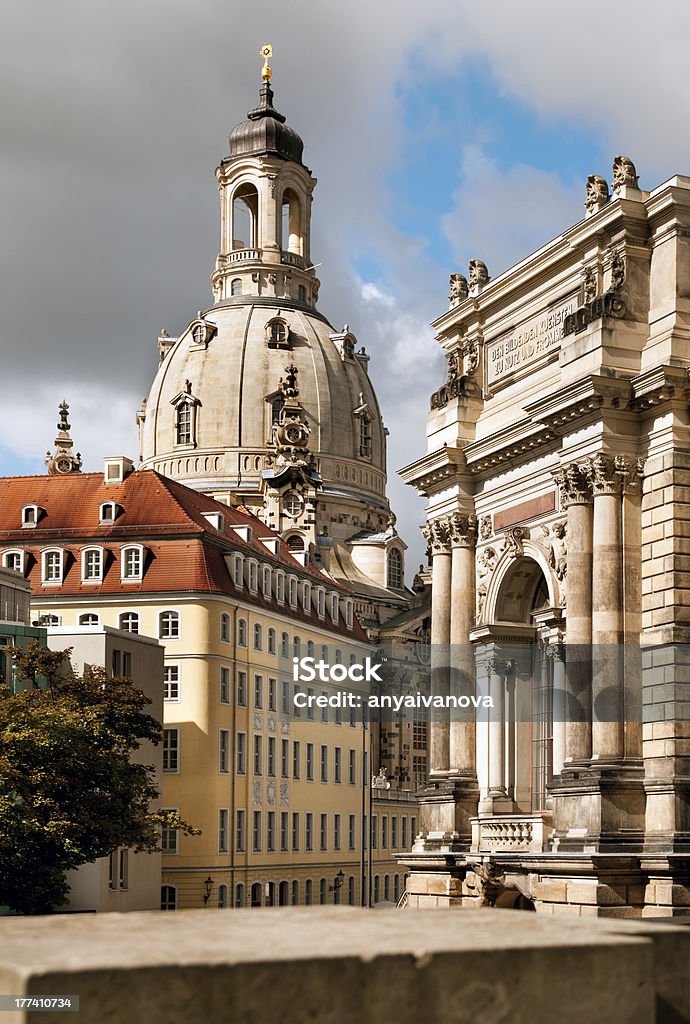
<point x="439" y="131"/>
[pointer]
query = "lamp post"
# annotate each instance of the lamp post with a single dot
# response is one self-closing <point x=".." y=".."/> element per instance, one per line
<point x="208" y="884"/>
<point x="337" y="886"/>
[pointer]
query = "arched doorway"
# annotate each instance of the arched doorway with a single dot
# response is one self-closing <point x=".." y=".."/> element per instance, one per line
<point x="521" y="660"/>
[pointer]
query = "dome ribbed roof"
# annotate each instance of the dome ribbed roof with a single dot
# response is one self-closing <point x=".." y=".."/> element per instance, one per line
<point x="265" y="132"/>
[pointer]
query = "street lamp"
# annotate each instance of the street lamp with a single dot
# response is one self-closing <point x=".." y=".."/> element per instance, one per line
<point x="209" y="886"/>
<point x="337" y="882"/>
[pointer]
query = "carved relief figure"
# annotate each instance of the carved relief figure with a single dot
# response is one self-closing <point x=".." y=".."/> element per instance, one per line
<point x="597" y="193"/>
<point x="485" y="529"/>
<point x="486" y="563"/>
<point x="479" y="275"/>
<point x="589" y="285"/>
<point x="471" y="352"/>
<point x="624" y="173"/>
<point x="453" y="365"/>
<point x="558" y="550"/>
<point x="459" y="289"/>
<point x="617" y="269"/>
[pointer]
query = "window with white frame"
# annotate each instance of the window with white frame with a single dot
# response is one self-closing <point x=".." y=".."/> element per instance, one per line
<point x="306" y="596"/>
<point x="132" y="562"/>
<point x="240" y="830"/>
<point x="13" y="560"/>
<point x="129" y="621"/>
<point x="108" y="512"/>
<point x="241" y="632"/>
<point x="169" y="626"/>
<point x="258" y="692"/>
<point x="280" y="586"/>
<point x="324" y="652"/>
<point x="320" y="602"/>
<point x="238" y="569"/>
<point x="296" y="647"/>
<point x="169" y="836"/>
<point x="266" y="581"/>
<point x="349" y="614"/>
<point x="171" y="750"/>
<point x="171" y="683"/>
<point x="271" y="641"/>
<point x="50" y="620"/>
<point x="310" y="648"/>
<point x="335" y="611"/>
<point x="284" y="645"/>
<point x="30" y="515"/>
<point x="53" y="563"/>
<point x="89" y="619"/>
<point x="224" y="751"/>
<point x="241" y="753"/>
<point x="258" y="637"/>
<point x="292" y="590"/>
<point x="223" y="820"/>
<point x="241" y="688"/>
<point x="252" y="574"/>
<point x="225" y="628"/>
<point x="224" y="684"/>
<point x="92" y="565"/>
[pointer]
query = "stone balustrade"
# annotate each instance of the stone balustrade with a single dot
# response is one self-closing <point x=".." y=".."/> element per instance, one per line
<point x="507" y="833"/>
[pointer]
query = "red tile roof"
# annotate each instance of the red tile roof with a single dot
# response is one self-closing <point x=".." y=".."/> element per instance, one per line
<point x="184" y="552"/>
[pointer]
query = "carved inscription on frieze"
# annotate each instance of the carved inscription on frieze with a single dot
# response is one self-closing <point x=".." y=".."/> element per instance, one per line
<point x="509" y="354"/>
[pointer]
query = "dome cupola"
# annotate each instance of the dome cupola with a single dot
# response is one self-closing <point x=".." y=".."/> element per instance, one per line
<point x="265" y="132"/>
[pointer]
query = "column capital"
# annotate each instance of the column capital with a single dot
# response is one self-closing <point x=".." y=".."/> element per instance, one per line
<point x="613" y="474"/>
<point x="463" y="530"/>
<point x="437" y="535"/>
<point x="632" y="473"/>
<point x="574" y="485"/>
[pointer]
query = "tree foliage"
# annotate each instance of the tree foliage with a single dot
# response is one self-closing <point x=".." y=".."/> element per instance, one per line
<point x="69" y="789"/>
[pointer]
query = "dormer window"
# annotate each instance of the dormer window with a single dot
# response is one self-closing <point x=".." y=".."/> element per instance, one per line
<point x="292" y="590"/>
<point x="280" y="586"/>
<point x="109" y="511"/>
<point x="306" y="596"/>
<point x="237" y="569"/>
<point x="92" y="565"/>
<point x="335" y="609"/>
<point x="132" y="563"/>
<point x="186" y="406"/>
<point x="266" y="581"/>
<point x="13" y="560"/>
<point x="202" y="332"/>
<point x="53" y="562"/>
<point x="320" y="602"/>
<point x="30" y="515"/>
<point x="349" y="614"/>
<point x="252" y="574"/>
<point x="278" y="333"/>
<point x="364" y="436"/>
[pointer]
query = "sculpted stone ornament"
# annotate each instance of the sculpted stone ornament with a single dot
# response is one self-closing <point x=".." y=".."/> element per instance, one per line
<point x="437" y="534"/>
<point x="63" y="460"/>
<point x="479" y="275"/>
<point x="624" y="174"/>
<point x="453" y="359"/>
<point x="603" y="474"/>
<point x="486" y="563"/>
<point x="596" y="193"/>
<point x="574" y="485"/>
<point x="617" y="269"/>
<point x="589" y="285"/>
<point x="463" y="530"/>
<point x="459" y="289"/>
<point x="558" y="550"/>
<point x="289" y="387"/>
<point x="485" y="527"/>
<point x="631" y="472"/>
<point x="470" y="351"/>
<point x="514" y="539"/>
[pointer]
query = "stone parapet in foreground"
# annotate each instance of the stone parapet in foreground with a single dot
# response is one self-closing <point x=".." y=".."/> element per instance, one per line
<point x="342" y="964"/>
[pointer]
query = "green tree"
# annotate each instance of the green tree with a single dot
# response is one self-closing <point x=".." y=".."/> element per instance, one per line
<point x="69" y="790"/>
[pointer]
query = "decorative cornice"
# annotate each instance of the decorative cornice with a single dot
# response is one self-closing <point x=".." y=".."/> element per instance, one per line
<point x="435" y="471"/>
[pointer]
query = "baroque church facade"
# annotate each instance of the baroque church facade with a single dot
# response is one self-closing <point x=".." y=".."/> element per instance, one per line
<point x="557" y="475"/>
<point x="261" y="402"/>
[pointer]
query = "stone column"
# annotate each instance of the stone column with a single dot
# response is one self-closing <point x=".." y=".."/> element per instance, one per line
<point x="555" y="652"/>
<point x="437" y="533"/>
<point x="463" y="536"/>
<point x="607" y="610"/>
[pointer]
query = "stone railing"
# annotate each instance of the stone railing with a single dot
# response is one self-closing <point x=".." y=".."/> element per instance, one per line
<point x="293" y="259"/>
<point x="508" y="833"/>
<point x="343" y="964"/>
<point x="244" y="256"/>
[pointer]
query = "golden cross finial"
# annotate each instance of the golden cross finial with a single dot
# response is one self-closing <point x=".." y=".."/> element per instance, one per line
<point x="266" y="51"/>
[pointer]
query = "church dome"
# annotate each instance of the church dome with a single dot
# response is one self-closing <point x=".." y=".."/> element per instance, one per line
<point x="265" y="132"/>
<point x="228" y="367"/>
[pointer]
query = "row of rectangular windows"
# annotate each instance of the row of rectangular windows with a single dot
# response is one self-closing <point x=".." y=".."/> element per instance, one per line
<point x="283" y="832"/>
<point x="172" y="757"/>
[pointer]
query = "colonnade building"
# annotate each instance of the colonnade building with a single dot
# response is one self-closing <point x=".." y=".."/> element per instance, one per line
<point x="558" y="482"/>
